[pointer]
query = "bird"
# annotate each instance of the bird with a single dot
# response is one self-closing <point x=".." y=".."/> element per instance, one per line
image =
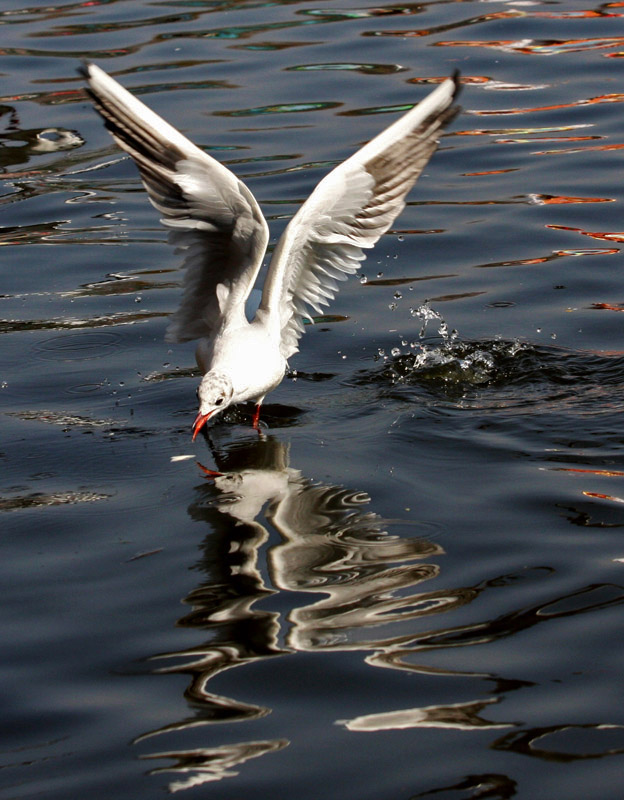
<point x="215" y="222"/>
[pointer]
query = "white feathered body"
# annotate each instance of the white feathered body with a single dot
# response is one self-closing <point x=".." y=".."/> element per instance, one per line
<point x="249" y="355"/>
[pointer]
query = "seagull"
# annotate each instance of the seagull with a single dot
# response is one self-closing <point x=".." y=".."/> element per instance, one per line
<point x="216" y="223"/>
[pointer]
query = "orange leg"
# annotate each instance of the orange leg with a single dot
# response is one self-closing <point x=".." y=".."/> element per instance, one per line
<point x="256" y="417"/>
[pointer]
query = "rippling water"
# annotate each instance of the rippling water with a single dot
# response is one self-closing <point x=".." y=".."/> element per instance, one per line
<point x="418" y="569"/>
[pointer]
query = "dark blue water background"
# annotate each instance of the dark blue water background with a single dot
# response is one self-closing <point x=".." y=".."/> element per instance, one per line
<point x="412" y="585"/>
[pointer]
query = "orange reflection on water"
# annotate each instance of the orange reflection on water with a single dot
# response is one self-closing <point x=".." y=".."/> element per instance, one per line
<point x="604" y="496"/>
<point x="408" y="34"/>
<point x="587" y="14"/>
<point x="519" y="140"/>
<point x="590" y="251"/>
<point x="482" y="80"/>
<point x="520" y="262"/>
<point x="519" y="131"/>
<point x="603" y="472"/>
<point x="614" y="97"/>
<point x="608" y="236"/>
<point x="540" y="47"/>
<point x="608" y="306"/>
<point x="488" y="172"/>
<point x="557" y="200"/>
<point x="568" y="150"/>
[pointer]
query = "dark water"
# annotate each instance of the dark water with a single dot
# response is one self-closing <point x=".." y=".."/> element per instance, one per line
<point x="412" y="585"/>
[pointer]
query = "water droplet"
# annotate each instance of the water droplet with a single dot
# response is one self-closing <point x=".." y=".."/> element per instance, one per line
<point x="363" y="279"/>
<point x="426" y="314"/>
<point x="401" y="238"/>
<point x="392" y="306"/>
<point x="398" y="295"/>
<point x="395" y="352"/>
<point x="138" y="299"/>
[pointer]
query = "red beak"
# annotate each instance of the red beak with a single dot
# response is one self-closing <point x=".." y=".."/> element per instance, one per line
<point x="200" y="421"/>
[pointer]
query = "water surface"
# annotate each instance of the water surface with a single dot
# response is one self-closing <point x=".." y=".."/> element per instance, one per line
<point x="411" y="584"/>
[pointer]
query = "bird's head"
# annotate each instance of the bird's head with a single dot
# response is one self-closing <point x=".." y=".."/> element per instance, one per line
<point x="214" y="394"/>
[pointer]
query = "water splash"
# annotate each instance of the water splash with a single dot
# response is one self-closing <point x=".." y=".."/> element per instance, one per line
<point x="443" y="358"/>
<point x="497" y="373"/>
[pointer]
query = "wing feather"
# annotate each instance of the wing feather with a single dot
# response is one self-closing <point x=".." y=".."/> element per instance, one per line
<point x="347" y="212"/>
<point x="213" y="219"/>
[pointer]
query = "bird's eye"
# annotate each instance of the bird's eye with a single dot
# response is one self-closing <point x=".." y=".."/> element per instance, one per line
<point x="218" y="401"/>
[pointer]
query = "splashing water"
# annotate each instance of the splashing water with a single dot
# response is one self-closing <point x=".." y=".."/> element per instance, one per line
<point x="448" y="361"/>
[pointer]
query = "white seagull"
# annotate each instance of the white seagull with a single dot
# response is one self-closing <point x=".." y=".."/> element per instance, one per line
<point x="215" y="221"/>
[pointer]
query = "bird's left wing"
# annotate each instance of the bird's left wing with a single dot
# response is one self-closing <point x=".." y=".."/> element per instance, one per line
<point x="349" y="210"/>
<point x="212" y="217"/>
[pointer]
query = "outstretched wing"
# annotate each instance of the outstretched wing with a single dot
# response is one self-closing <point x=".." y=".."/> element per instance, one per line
<point x="349" y="210"/>
<point x="213" y="218"/>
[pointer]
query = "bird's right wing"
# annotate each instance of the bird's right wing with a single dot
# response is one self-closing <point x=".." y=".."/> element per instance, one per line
<point x="213" y="218"/>
<point x="348" y="211"/>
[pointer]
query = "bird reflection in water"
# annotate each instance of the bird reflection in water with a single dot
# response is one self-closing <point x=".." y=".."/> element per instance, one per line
<point x="322" y="541"/>
<point x="276" y="534"/>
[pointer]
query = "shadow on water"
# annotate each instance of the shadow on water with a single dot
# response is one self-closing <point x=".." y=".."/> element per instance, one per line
<point x="353" y="582"/>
